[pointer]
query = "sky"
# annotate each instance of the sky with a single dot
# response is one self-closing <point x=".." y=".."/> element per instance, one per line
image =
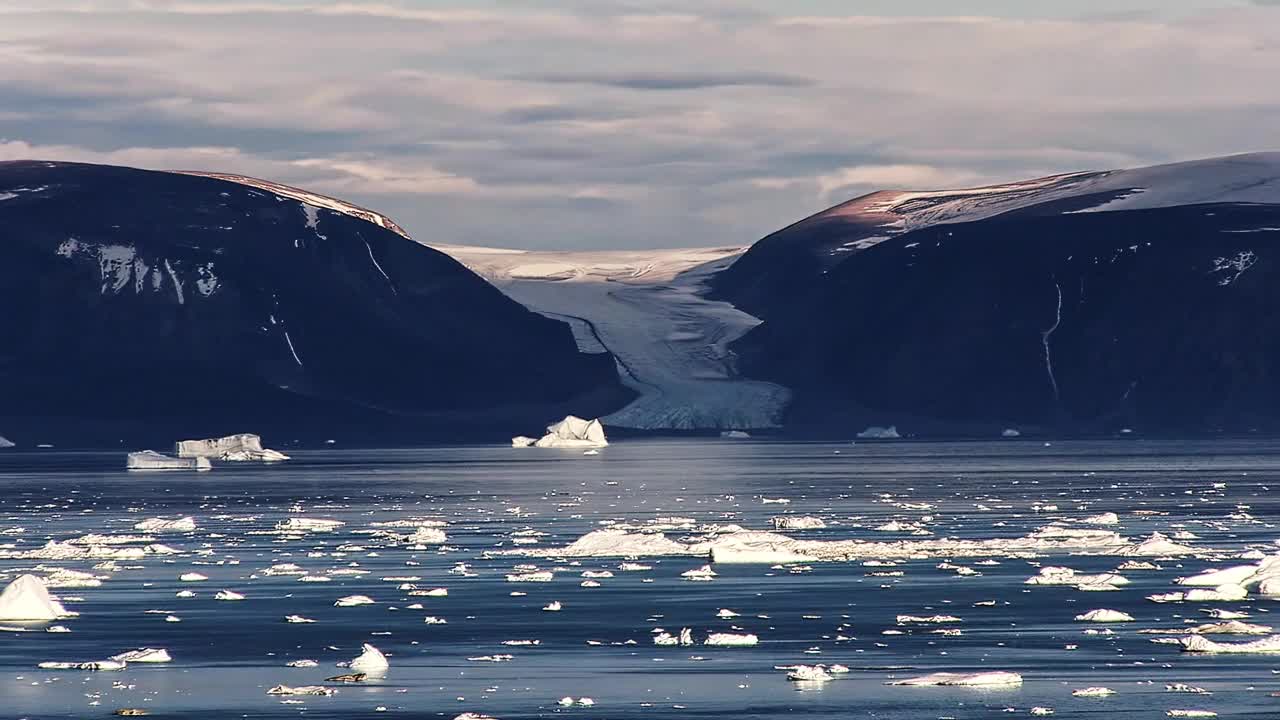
<point x="567" y="124"/>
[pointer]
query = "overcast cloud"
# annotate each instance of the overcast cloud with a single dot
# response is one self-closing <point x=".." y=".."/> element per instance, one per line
<point x="568" y="124"/>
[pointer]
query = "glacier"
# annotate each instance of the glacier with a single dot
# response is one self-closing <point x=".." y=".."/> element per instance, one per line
<point x="649" y="310"/>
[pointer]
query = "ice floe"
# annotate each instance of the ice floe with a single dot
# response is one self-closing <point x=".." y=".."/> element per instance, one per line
<point x="948" y="679"/>
<point x="161" y="525"/>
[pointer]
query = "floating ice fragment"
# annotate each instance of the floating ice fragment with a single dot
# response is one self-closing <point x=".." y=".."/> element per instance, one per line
<point x="1202" y="644"/>
<point x="160" y="525"/>
<point x="232" y="448"/>
<point x="309" y="525"/>
<point x="95" y="665"/>
<point x="301" y="690"/>
<point x="982" y="679"/>
<point x="808" y="673"/>
<point x="797" y="522"/>
<point x="297" y="619"/>
<point x="876" y="432"/>
<point x="302" y="664"/>
<point x="1105" y="616"/>
<point x="1093" y="692"/>
<point x="228" y="595"/>
<point x="572" y="432"/>
<point x="370" y="661"/>
<point x="152" y="460"/>
<point x="553" y="606"/>
<point x="27" y="598"/>
<point x="731" y="640"/>
<point x="353" y="600"/>
<point x="1192" y="713"/>
<point x="144" y="655"/>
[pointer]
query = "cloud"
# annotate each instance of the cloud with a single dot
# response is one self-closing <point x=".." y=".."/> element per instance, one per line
<point x="673" y="80"/>
<point x="623" y="122"/>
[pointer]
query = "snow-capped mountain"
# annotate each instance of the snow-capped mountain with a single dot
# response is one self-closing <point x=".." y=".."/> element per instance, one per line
<point x="210" y="304"/>
<point x="1142" y="297"/>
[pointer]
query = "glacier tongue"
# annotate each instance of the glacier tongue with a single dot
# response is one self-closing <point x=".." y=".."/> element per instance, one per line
<point x="647" y="309"/>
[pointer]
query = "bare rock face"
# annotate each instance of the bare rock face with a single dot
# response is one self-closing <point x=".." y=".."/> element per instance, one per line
<point x="203" y="305"/>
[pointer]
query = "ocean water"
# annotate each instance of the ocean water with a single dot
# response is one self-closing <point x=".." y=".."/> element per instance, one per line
<point x="227" y="654"/>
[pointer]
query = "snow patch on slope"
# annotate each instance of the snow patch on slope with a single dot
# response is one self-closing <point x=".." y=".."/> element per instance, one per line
<point x="310" y="198"/>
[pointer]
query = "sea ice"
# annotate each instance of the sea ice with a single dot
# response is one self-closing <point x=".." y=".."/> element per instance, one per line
<point x="301" y="690"/>
<point x="797" y="522"/>
<point x="731" y="640"/>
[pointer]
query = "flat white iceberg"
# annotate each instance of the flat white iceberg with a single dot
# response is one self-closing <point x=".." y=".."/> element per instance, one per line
<point x="983" y="679"/>
<point x="27" y="598"/>
<point x="1202" y="644"/>
<point x="245" y="447"/>
<point x="144" y="655"/>
<point x="309" y="525"/>
<point x="160" y="525"/>
<point x="301" y="690"/>
<point x="1105" y="616"/>
<point x="152" y="460"/>
<point x="353" y="601"/>
<point x="94" y="665"/>
<point x="731" y="640"/>
<point x="571" y="432"/>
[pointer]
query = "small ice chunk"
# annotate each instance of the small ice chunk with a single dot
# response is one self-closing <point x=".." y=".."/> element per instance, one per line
<point x="1093" y="692"/>
<point x="1105" y="616"/>
<point x="553" y="606"/>
<point x="297" y="619"/>
<point x="301" y="690"/>
<point x="809" y="673"/>
<point x="229" y="595"/>
<point x="192" y="577"/>
<point x="309" y="525"/>
<point x="353" y="601"/>
<point x="735" y="435"/>
<point x="302" y="664"/>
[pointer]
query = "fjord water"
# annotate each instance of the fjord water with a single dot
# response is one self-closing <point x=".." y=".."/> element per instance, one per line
<point x="226" y="654"/>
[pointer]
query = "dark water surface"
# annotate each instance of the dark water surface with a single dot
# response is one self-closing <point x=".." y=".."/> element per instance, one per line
<point x="226" y="654"/>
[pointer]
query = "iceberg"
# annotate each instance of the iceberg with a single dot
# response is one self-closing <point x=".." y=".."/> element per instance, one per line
<point x="1202" y="644"/>
<point x="797" y="522"/>
<point x="160" y="525"/>
<point x="946" y="679"/>
<point x="152" y="460"/>
<point x="1105" y="616"/>
<point x="309" y="525"/>
<point x="370" y="662"/>
<point x="5" y="443"/>
<point x="731" y="640"/>
<point x="95" y="665"/>
<point x="808" y="673"/>
<point x="144" y="655"/>
<point x="26" y="598"/>
<point x="735" y="435"/>
<point x="876" y="432"/>
<point x="571" y="432"/>
<point x="245" y="447"/>
<point x="300" y="690"/>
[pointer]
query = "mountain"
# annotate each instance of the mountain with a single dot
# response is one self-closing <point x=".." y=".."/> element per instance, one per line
<point x="189" y="304"/>
<point x="1091" y="301"/>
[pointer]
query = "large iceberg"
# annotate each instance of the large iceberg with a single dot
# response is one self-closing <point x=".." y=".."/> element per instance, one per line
<point x="26" y="598"/>
<point x="245" y="447"/>
<point x="571" y="432"/>
<point x="152" y="460"/>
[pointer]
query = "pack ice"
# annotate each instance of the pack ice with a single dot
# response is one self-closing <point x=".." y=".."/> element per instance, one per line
<point x="571" y="432"/>
<point x="26" y="598"/>
<point x="244" y="447"/>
